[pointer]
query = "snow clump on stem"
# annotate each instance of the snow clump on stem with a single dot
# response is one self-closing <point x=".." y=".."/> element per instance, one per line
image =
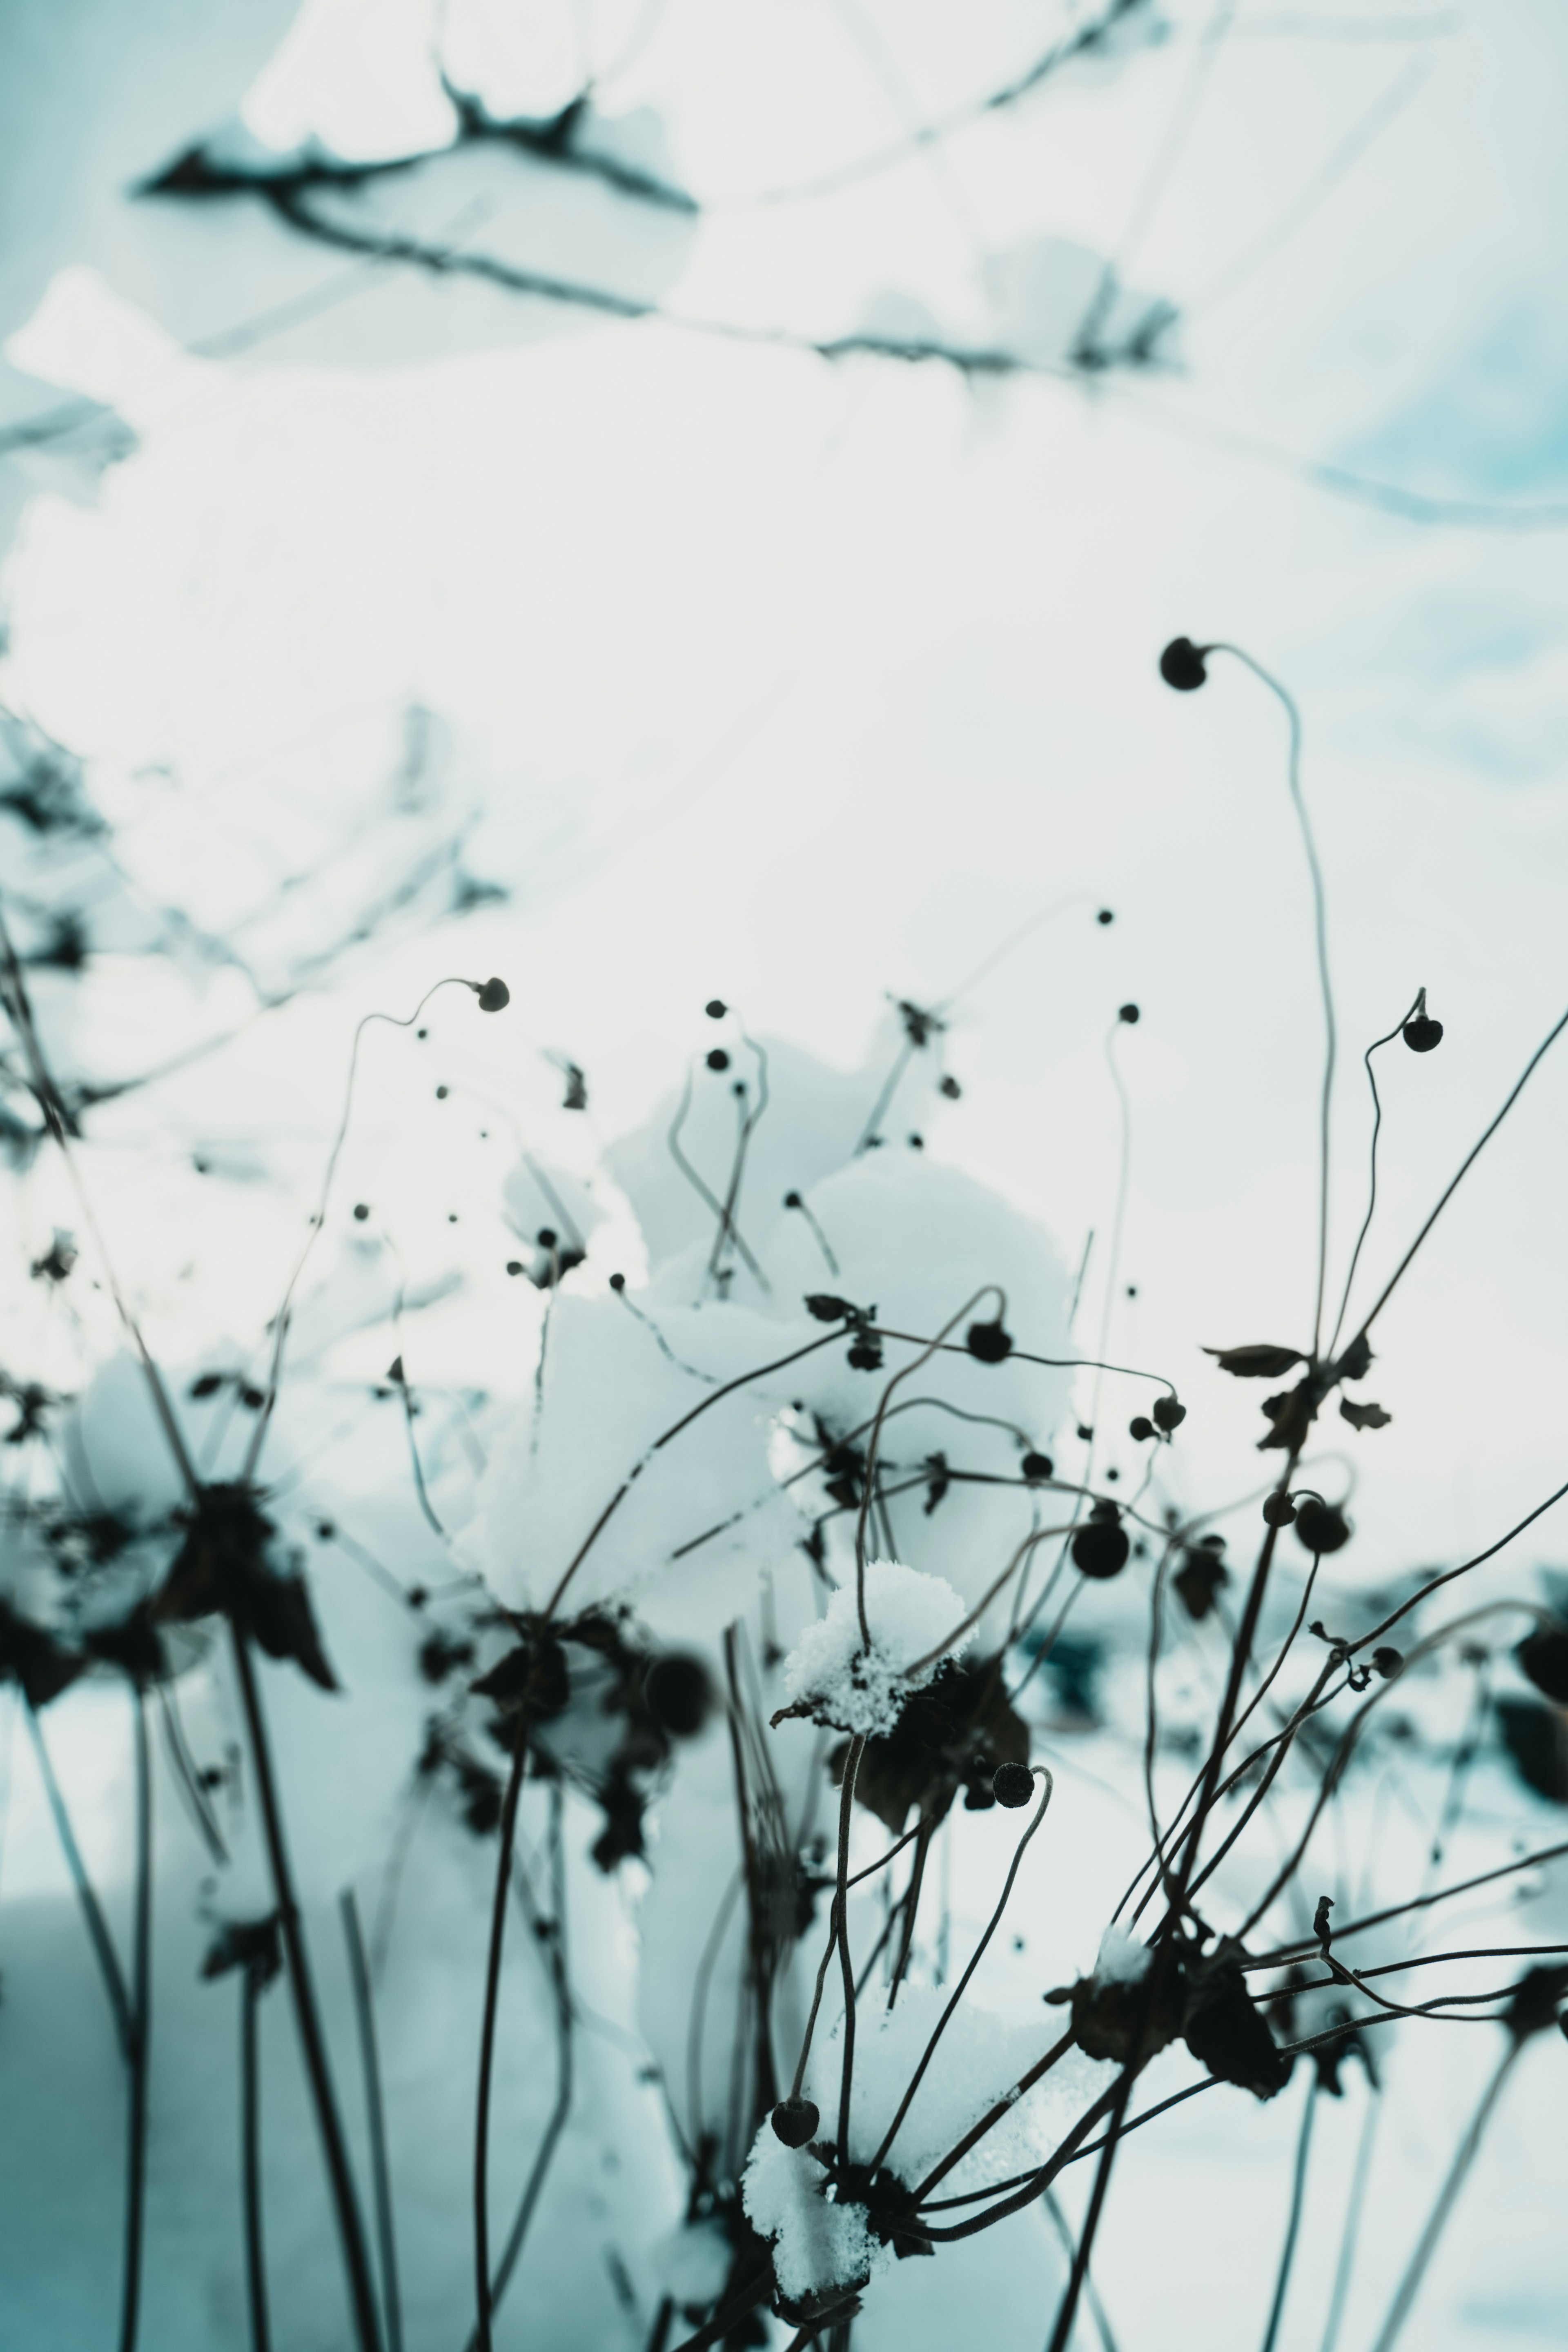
<point x="830" y="1674"/>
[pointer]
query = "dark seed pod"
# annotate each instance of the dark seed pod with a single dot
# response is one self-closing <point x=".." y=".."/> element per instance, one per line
<point x="1422" y="1034"/>
<point x="795" y="2121"/>
<point x="1012" y="1785"/>
<point x="1105" y="916"/>
<point x="1100" y="1547"/>
<point x="865" y="1354"/>
<point x="617" y="1282"/>
<point x="950" y="1087"/>
<point x="1543" y="1657"/>
<point x="1279" y="1510"/>
<point x="989" y="1341"/>
<point x="715" y="1008"/>
<point x="1128" y="1012"/>
<point x="718" y="1059"/>
<point x="1388" y="1663"/>
<point x="1169" y="1414"/>
<point x="494" y="996"/>
<point x="1037" y="1468"/>
<point x="1182" y="665"/>
<point x="678" y="1694"/>
<point x="362" y="1210"/>
<point x="1140" y="1427"/>
<point x="1321" y="1527"/>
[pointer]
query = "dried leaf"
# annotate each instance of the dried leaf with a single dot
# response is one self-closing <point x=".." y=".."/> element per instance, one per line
<point x="1363" y="1416"/>
<point x="1257" y="1364"/>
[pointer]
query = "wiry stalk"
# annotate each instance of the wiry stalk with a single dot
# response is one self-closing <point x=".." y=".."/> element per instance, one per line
<point x="351" y="2230"/>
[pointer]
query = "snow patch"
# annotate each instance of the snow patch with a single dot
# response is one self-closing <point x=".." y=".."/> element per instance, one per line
<point x="832" y="1676"/>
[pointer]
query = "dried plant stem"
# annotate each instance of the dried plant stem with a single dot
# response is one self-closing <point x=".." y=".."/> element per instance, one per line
<point x="1427" y="2245"/>
<point x="1354" y="2209"/>
<point x="141" y="2036"/>
<point x="963" y="1985"/>
<point x="250" y="2161"/>
<point x="847" y="1966"/>
<point x="1293" y="2225"/>
<point x="552" y="1937"/>
<point x="91" y="1909"/>
<point x="375" y="2118"/>
<point x="312" y="2043"/>
<point x="488" y="2034"/>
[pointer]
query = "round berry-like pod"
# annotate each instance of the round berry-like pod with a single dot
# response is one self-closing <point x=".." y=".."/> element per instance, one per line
<point x="1388" y="1663"/>
<point x="494" y="996"/>
<point x="1182" y="665"/>
<point x="989" y="1341"/>
<point x="1422" y="1034"/>
<point x="1321" y="1527"/>
<point x="1140" y="1427"/>
<point x="1279" y="1510"/>
<point x="1169" y="1414"/>
<point x="678" y="1694"/>
<point x="795" y="2121"/>
<point x="1012" y="1785"/>
<point x="718" y="1059"/>
<point x="1037" y="1468"/>
<point x="1100" y="1547"/>
<point x="715" y="1008"/>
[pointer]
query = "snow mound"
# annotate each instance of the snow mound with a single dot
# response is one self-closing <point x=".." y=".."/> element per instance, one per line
<point x="831" y="1676"/>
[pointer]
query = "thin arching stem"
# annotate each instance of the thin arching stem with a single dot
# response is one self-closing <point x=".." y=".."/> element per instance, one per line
<point x="963" y="1985"/>
<point x="1320" y="933"/>
<point x="868" y="1482"/>
<point x="1375" y="1046"/>
<point x="1463" y="1169"/>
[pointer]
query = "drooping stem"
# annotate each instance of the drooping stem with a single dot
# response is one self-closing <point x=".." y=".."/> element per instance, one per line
<point x="313" y="2044"/>
<point x="141" y="2036"/>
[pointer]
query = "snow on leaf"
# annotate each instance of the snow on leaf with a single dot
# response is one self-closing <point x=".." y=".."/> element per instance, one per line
<point x="834" y="1678"/>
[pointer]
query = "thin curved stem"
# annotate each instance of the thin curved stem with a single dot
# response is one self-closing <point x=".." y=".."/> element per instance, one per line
<point x="1375" y="1046"/>
<point x="963" y="1985"/>
<point x="1319" y="923"/>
